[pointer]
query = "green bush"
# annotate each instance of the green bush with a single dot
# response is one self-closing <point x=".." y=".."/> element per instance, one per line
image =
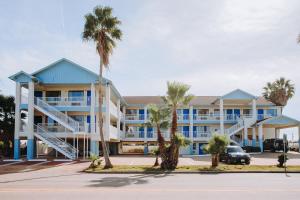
<point x="95" y="161"/>
<point x="282" y="158"/>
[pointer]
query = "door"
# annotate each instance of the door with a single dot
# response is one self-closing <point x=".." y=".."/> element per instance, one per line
<point x="237" y="113"/>
<point x="185" y="131"/>
<point x="149" y="132"/>
<point x="185" y="114"/>
<point x="88" y="100"/>
<point x="141" y="132"/>
<point x="141" y="114"/>
<point x="38" y="94"/>
<point x="201" y="152"/>
<point x="260" y="114"/>
<point x="88" y="121"/>
<point x="229" y="115"/>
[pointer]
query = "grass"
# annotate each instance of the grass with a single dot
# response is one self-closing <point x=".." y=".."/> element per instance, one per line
<point x="220" y="168"/>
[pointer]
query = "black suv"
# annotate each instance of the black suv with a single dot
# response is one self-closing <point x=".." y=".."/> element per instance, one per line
<point x="275" y="145"/>
<point x="235" y="154"/>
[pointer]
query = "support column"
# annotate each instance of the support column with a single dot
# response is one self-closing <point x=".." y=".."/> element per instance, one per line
<point x="222" y="117"/>
<point x="277" y="133"/>
<point x="107" y="112"/>
<point x="254" y="137"/>
<point x="254" y="112"/>
<point x="92" y="120"/>
<point x="145" y="127"/>
<point x="245" y="136"/>
<point x="260" y="137"/>
<point x="124" y="125"/>
<point x="30" y="128"/>
<point x="191" y="120"/>
<point x="17" y="122"/>
<point x="299" y="136"/>
<point x="119" y="117"/>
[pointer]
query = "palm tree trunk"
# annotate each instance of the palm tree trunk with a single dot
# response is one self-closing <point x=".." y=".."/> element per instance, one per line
<point x="100" y="121"/>
<point x="161" y="145"/>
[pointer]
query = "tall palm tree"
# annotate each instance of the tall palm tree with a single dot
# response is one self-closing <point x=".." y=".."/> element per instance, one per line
<point x="102" y="28"/>
<point x="159" y="117"/>
<point x="279" y="92"/>
<point x="176" y="97"/>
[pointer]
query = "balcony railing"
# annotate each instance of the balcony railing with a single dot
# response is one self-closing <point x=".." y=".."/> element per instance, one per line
<point x="65" y="101"/>
<point x="182" y="117"/>
<point x="134" y="117"/>
<point x="202" y="135"/>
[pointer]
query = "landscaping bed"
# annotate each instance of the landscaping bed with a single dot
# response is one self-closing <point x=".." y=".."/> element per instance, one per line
<point x="197" y="169"/>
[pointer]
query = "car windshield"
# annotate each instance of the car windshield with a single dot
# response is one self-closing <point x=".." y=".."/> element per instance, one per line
<point x="234" y="150"/>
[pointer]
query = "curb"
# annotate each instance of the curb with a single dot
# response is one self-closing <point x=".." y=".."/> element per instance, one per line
<point x="195" y="172"/>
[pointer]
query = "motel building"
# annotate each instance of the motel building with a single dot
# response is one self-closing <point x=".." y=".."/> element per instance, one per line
<point x="61" y="103"/>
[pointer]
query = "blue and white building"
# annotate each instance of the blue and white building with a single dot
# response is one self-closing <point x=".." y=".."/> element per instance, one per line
<point x="61" y="102"/>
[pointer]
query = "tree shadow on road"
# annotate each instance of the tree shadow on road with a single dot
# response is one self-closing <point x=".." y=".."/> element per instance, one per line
<point x="126" y="180"/>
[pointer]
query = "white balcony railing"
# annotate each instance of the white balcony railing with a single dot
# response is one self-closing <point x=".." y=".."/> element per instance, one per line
<point x="113" y="109"/>
<point x="181" y="117"/>
<point x="134" y="117"/>
<point x="201" y="135"/>
<point x="64" y="101"/>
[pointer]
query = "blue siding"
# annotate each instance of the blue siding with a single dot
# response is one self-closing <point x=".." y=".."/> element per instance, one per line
<point x="65" y="72"/>
<point x="16" y="149"/>
<point x="30" y="145"/>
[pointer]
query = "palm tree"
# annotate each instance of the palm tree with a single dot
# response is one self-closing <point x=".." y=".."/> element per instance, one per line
<point x="176" y="97"/>
<point x="279" y="92"/>
<point x="215" y="146"/>
<point x="159" y="118"/>
<point x="103" y="29"/>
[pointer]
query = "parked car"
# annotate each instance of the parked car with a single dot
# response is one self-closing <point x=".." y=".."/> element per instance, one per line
<point x="294" y="146"/>
<point x="274" y="145"/>
<point x="235" y="155"/>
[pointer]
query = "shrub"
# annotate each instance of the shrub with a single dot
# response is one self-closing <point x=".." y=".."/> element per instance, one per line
<point x="95" y="161"/>
<point x="282" y="158"/>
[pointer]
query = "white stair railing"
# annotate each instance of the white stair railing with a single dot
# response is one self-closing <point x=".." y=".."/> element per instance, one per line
<point x="235" y="128"/>
<point x="58" y="116"/>
<point x="55" y="142"/>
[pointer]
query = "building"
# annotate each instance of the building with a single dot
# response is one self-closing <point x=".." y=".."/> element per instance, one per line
<point x="61" y="102"/>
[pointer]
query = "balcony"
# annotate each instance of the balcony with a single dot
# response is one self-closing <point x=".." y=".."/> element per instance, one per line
<point x="135" y="117"/>
<point x="201" y="135"/>
<point x="183" y="117"/>
<point x="140" y="136"/>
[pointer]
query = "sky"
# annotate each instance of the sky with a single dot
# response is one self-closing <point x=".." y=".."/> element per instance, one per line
<point x="214" y="46"/>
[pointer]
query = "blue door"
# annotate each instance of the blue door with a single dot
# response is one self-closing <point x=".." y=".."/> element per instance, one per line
<point x="141" y="114"/>
<point x="88" y="100"/>
<point x="149" y="132"/>
<point x="38" y="94"/>
<point x="185" y="131"/>
<point x="260" y="114"/>
<point x="141" y="132"/>
<point x="229" y="114"/>
<point x="194" y="131"/>
<point x="194" y="114"/>
<point x="201" y="152"/>
<point x="88" y="121"/>
<point x="237" y="113"/>
<point x="185" y="114"/>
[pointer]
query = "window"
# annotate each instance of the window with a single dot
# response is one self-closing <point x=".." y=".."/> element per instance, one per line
<point x="272" y="112"/>
<point x="76" y="95"/>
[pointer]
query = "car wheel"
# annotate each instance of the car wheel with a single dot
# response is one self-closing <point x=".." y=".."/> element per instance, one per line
<point x="247" y="162"/>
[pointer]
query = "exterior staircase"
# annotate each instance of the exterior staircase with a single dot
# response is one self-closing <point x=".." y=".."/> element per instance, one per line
<point x="56" y="115"/>
<point x="48" y="137"/>
<point x="243" y="122"/>
<point x="52" y="141"/>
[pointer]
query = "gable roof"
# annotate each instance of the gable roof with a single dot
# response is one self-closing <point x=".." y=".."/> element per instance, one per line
<point x="22" y="76"/>
<point x="238" y="94"/>
<point x="65" y="71"/>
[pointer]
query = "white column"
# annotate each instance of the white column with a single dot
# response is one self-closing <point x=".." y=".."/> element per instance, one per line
<point x="30" y="110"/>
<point x="119" y="117"/>
<point x="254" y="137"/>
<point x="277" y="133"/>
<point x="145" y="121"/>
<point x="92" y="110"/>
<point x="17" y="110"/>
<point x="107" y="112"/>
<point x="245" y="136"/>
<point x="191" y="123"/>
<point x="299" y="136"/>
<point x="254" y="112"/>
<point x="124" y="125"/>
<point x="260" y="137"/>
<point x="221" y="116"/>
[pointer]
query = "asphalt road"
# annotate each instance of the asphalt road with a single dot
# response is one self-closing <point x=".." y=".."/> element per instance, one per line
<point x="65" y="183"/>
